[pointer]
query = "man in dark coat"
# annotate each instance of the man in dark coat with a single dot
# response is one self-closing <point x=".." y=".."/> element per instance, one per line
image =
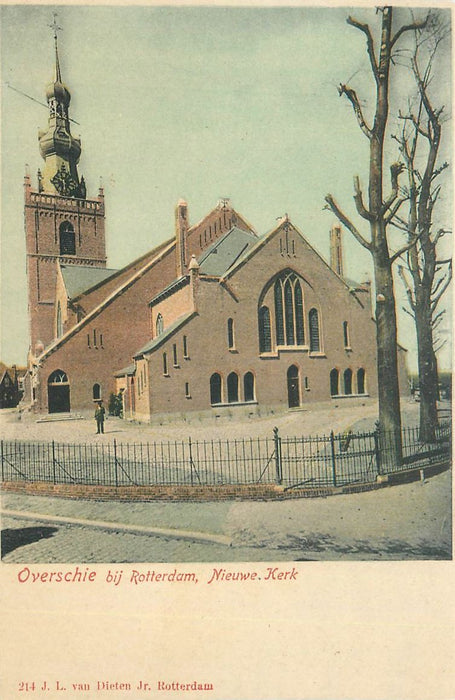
<point x="99" y="417"/>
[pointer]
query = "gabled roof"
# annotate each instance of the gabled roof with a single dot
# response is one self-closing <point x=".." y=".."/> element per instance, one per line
<point x="80" y="278"/>
<point x="224" y="252"/>
<point x="156" y="342"/>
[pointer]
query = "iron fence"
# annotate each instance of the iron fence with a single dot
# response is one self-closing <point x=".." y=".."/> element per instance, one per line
<point x="316" y="461"/>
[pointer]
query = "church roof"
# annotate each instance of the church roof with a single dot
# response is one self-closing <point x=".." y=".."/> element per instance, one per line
<point x="79" y="278"/>
<point x="152" y="344"/>
<point x="224" y="252"/>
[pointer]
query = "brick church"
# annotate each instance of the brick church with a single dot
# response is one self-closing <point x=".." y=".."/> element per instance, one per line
<point x="216" y="319"/>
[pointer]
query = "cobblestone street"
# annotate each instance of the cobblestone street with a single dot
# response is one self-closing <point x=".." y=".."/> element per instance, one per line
<point x="410" y="521"/>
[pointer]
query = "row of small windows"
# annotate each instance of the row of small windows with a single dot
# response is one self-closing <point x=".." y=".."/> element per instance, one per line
<point x="347" y="382"/>
<point x="232" y="388"/>
<point x="95" y="339"/>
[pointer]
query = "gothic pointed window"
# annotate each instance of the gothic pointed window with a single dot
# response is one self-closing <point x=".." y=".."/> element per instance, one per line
<point x="299" y="331"/>
<point x="215" y="388"/>
<point x="288" y="299"/>
<point x="334" y="380"/>
<point x="279" y="317"/>
<point x="313" y="318"/>
<point x="233" y="387"/>
<point x="289" y="313"/>
<point x="248" y="386"/>
<point x="230" y="333"/>
<point x="67" y="238"/>
<point x="348" y="382"/>
<point x="159" y="324"/>
<point x="361" y="381"/>
<point x="265" y="337"/>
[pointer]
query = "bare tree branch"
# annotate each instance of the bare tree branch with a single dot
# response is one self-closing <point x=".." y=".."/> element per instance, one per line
<point x="331" y="204"/>
<point x="437" y="298"/>
<point x="410" y="244"/>
<point x="395" y="209"/>
<point x="354" y="100"/>
<point x="407" y="286"/>
<point x="395" y="170"/>
<point x="406" y="310"/>
<point x="358" y="199"/>
<point x="370" y="45"/>
<point x="416" y="26"/>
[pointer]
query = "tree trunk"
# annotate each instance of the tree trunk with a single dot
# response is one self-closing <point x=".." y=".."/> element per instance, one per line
<point x="387" y="358"/>
<point x="428" y="374"/>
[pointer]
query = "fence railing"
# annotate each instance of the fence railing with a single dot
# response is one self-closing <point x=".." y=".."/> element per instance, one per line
<point x="316" y="461"/>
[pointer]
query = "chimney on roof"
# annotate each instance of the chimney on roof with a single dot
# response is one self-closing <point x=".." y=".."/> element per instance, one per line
<point x="336" y="250"/>
<point x="181" y="230"/>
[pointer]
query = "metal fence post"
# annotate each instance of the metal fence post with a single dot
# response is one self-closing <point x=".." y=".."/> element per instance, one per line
<point x="3" y="467"/>
<point x="115" y="462"/>
<point x="377" y="447"/>
<point x="278" y="465"/>
<point x="53" y="463"/>
<point x="191" y="461"/>
<point x="332" y="448"/>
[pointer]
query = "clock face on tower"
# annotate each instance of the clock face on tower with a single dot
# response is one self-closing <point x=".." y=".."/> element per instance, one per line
<point x="64" y="183"/>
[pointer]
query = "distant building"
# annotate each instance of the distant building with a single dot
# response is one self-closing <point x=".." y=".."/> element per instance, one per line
<point x="214" y="319"/>
<point x="11" y="385"/>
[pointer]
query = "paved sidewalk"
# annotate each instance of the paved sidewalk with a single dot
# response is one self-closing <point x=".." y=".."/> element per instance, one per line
<point x="410" y="521"/>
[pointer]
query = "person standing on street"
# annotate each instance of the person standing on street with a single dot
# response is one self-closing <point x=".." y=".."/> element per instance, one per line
<point x="99" y="417"/>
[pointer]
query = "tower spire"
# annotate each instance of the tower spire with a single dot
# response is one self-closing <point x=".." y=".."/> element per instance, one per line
<point x="56" y="28"/>
<point x="60" y="150"/>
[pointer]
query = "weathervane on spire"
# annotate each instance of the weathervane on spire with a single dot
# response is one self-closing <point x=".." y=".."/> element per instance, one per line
<point x="55" y="26"/>
<point x="56" y="29"/>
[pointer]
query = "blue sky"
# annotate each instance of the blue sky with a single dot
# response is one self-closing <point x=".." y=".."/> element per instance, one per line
<point x="199" y="103"/>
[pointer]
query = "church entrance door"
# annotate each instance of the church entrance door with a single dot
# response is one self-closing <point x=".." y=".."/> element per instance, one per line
<point x="58" y="392"/>
<point x="293" y="387"/>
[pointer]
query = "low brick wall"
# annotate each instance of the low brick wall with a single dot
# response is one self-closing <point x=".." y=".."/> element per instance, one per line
<point x="255" y="492"/>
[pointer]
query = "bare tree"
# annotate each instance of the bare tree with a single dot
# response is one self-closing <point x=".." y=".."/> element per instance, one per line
<point x="427" y="275"/>
<point x="378" y="215"/>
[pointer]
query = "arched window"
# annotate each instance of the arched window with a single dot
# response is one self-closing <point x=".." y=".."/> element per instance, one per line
<point x="346" y="334"/>
<point x="165" y="363"/>
<point x="265" y="338"/>
<point x="215" y="388"/>
<point x="289" y="310"/>
<point x="300" y="335"/>
<point x="233" y="387"/>
<point x="279" y="316"/>
<point x="67" y="238"/>
<point x="313" y="318"/>
<point x="248" y="386"/>
<point x="361" y="381"/>
<point x="230" y="333"/>
<point x="348" y="381"/>
<point x="334" y="379"/>
<point x="96" y="392"/>
<point x="59" y="321"/>
<point x="159" y="324"/>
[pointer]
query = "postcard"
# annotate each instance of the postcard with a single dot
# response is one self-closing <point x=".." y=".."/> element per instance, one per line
<point x="226" y="351"/>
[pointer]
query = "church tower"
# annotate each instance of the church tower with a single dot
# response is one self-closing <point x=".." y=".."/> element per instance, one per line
<point x="62" y="225"/>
